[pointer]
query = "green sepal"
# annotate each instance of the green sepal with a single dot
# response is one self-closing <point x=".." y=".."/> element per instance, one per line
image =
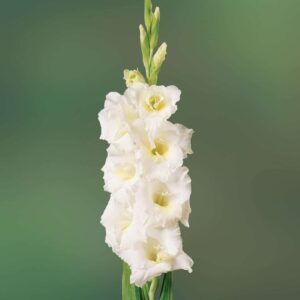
<point x="145" y="291"/>
<point x="153" y="78"/>
<point x="166" y="289"/>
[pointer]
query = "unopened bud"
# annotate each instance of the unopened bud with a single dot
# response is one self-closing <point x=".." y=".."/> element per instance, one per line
<point x="148" y="14"/>
<point x="157" y="13"/>
<point x="155" y="28"/>
<point x="143" y="33"/>
<point x="133" y="76"/>
<point x="160" y="56"/>
<point x="145" y="46"/>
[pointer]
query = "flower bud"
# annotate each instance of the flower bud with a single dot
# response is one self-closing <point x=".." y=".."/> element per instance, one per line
<point x="133" y="76"/>
<point x="143" y="34"/>
<point x="160" y="56"/>
<point x="155" y="28"/>
<point x="145" y="46"/>
<point x="148" y="14"/>
<point x="157" y="13"/>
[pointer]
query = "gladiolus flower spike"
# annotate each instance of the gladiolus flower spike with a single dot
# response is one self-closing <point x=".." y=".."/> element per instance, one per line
<point x="149" y="187"/>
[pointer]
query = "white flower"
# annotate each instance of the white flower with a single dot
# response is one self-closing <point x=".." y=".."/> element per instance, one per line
<point x="122" y="223"/>
<point x="122" y="169"/>
<point x="116" y="118"/>
<point x="116" y="218"/>
<point x="165" y="202"/>
<point x="162" y="150"/>
<point x="161" y="253"/>
<point x="153" y="103"/>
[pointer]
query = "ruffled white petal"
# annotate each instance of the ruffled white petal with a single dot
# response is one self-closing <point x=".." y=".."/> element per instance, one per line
<point x="154" y="104"/>
<point x="116" y="117"/>
<point x="122" y="169"/>
<point x="185" y="141"/>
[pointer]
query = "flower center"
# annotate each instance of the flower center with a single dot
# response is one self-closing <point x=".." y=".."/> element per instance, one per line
<point x="155" y="103"/>
<point x="161" y="199"/>
<point x="160" y="148"/>
<point x="126" y="171"/>
<point x="158" y="256"/>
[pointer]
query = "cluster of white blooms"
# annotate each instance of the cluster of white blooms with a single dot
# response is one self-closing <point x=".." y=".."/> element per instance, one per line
<point x="150" y="189"/>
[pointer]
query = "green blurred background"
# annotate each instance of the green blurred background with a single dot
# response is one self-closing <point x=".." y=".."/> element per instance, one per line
<point x="238" y="65"/>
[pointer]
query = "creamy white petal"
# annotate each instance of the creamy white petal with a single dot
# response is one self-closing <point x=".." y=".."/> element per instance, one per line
<point x="122" y="169"/>
<point x="185" y="141"/>
<point x="116" y="219"/>
<point x="123" y="227"/>
<point x="116" y="117"/>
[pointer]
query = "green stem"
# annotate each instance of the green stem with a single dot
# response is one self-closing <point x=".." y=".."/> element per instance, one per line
<point x="166" y="287"/>
<point x="153" y="287"/>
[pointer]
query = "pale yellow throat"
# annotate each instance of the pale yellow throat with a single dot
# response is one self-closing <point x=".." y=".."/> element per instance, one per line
<point x="161" y="199"/>
<point x="155" y="103"/>
<point x="160" y="148"/>
<point x="158" y="256"/>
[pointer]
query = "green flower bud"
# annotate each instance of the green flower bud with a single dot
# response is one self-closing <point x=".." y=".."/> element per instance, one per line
<point x="157" y="12"/>
<point x="158" y="59"/>
<point x="133" y="76"/>
<point x="160" y="56"/>
<point x="155" y="28"/>
<point x="143" y="34"/>
<point x="148" y="14"/>
<point x="145" y="47"/>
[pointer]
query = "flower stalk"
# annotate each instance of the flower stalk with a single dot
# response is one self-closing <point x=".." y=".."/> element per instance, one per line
<point x="153" y="287"/>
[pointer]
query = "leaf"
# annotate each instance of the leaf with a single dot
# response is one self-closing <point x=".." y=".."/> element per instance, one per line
<point x="145" y="291"/>
<point x="166" y="289"/>
<point x="130" y="291"/>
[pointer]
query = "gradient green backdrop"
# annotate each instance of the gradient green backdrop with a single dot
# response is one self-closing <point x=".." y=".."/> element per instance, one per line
<point x="238" y="65"/>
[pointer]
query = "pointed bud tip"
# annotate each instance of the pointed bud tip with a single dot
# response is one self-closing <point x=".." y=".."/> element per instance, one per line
<point x="142" y="33"/>
<point x="157" y="13"/>
<point x="160" y="55"/>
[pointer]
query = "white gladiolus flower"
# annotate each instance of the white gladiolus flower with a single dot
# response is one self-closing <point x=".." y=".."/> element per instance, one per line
<point x="122" y="169"/>
<point x="153" y="103"/>
<point x="116" y="118"/>
<point x="163" y="149"/>
<point x="161" y="253"/>
<point x="165" y="202"/>
<point x="122" y="222"/>
<point x="116" y="219"/>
